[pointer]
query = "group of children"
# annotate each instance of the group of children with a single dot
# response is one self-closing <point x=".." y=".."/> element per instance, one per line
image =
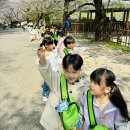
<point x="101" y="105"/>
<point x="55" y="52"/>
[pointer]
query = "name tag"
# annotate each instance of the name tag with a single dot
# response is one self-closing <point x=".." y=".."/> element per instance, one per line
<point x="62" y="106"/>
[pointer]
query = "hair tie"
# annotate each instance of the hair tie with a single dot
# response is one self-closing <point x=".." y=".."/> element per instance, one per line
<point x="108" y="69"/>
<point x="116" y="82"/>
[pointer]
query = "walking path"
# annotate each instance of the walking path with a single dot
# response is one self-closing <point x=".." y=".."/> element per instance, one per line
<point x="21" y="102"/>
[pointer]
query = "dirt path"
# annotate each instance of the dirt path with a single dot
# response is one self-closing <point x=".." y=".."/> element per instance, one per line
<point x="21" y="102"/>
<point x="20" y="92"/>
<point x="99" y="56"/>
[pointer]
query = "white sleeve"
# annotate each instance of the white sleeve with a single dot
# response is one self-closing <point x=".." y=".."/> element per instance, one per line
<point x="51" y="78"/>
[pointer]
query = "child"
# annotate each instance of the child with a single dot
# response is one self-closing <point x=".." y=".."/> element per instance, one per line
<point x="69" y="44"/>
<point x="60" y="44"/>
<point x="51" y="57"/>
<point x="64" y="48"/>
<point x="76" y="82"/>
<point x="109" y="106"/>
<point x="55" y="35"/>
<point x="47" y="32"/>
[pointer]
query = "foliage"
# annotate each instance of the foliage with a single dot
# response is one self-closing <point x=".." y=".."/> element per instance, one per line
<point x="42" y="9"/>
<point x="71" y="6"/>
<point x="113" y="4"/>
<point x="2" y="3"/>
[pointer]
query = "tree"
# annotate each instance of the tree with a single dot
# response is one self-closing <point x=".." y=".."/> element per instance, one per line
<point x="100" y="21"/>
<point x="101" y="24"/>
<point x="75" y="5"/>
<point x="41" y="9"/>
<point x="10" y="12"/>
<point x="100" y="15"/>
<point x="2" y="2"/>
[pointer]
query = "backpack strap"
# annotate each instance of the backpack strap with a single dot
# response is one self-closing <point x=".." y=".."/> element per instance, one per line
<point x="91" y="110"/>
<point x="64" y="88"/>
<point x="55" y="37"/>
<point x="66" y="51"/>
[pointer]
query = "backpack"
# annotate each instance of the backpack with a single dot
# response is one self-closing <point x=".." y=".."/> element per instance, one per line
<point x="93" y="124"/>
<point x="65" y="51"/>
<point x="69" y="117"/>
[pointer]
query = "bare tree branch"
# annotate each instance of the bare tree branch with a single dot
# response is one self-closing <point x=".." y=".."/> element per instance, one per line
<point x="80" y="6"/>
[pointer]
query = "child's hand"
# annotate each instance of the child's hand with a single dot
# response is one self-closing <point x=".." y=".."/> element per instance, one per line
<point x="41" y="54"/>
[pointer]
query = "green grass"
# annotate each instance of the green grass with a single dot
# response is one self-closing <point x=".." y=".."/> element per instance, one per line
<point x="112" y="45"/>
<point x="109" y="44"/>
<point x="117" y="46"/>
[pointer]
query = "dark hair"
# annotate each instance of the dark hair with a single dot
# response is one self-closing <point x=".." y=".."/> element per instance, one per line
<point x="47" y="41"/>
<point x="72" y="59"/>
<point x="103" y="74"/>
<point x="68" y="40"/>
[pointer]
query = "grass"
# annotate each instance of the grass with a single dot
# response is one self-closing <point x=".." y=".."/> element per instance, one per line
<point x="117" y="46"/>
<point x="110" y="44"/>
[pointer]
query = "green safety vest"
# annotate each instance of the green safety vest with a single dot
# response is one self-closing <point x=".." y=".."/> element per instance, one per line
<point x="70" y="116"/>
<point x="93" y="123"/>
<point x="65" y="51"/>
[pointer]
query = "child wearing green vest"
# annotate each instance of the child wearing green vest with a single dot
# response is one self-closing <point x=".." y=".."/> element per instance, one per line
<point x="76" y="84"/>
<point x="104" y="107"/>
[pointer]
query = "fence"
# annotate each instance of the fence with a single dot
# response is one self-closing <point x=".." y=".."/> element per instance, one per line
<point x="118" y="31"/>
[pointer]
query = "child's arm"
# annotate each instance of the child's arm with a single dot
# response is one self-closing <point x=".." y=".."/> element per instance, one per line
<point x="81" y="105"/>
<point x="41" y="55"/>
<point x="120" y="122"/>
<point x="45" y="69"/>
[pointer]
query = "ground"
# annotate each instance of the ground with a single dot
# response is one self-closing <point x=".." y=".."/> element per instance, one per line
<point x="21" y="102"/>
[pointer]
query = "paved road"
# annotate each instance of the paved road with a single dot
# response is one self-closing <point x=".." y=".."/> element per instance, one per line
<point x="20" y="92"/>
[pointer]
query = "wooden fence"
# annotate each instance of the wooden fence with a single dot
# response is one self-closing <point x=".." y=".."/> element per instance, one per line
<point x="118" y="31"/>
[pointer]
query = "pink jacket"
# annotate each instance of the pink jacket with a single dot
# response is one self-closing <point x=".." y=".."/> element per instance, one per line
<point x="60" y="44"/>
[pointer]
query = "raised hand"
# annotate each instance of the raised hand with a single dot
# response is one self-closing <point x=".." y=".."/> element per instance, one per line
<point x="41" y="55"/>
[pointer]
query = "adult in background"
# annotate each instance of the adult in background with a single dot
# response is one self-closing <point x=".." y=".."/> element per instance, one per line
<point x="67" y="25"/>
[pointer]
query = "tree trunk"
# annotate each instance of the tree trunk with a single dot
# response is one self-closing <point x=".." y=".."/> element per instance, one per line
<point x="65" y="14"/>
<point x="101" y="25"/>
<point x="39" y="17"/>
<point x="47" y="19"/>
<point x="11" y="24"/>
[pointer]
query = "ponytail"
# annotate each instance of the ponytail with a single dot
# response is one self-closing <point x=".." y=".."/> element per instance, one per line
<point x="117" y="99"/>
<point x="103" y="74"/>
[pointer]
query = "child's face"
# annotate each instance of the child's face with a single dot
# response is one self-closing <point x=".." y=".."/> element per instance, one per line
<point x="50" y="47"/>
<point x="96" y="89"/>
<point x="71" y="74"/>
<point x="70" y="46"/>
<point x="47" y="35"/>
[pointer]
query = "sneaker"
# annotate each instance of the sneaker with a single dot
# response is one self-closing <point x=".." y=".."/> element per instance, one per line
<point x="44" y="99"/>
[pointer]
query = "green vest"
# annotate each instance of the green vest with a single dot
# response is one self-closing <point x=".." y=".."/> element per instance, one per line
<point x="92" y="120"/>
<point x="70" y="116"/>
<point x="65" y="51"/>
